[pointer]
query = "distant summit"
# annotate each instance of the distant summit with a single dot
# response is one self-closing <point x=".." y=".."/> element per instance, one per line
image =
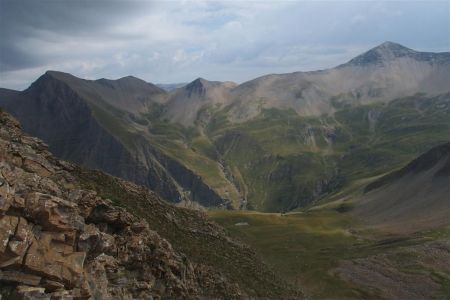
<point x="184" y="104"/>
<point x="168" y="87"/>
<point x="389" y="51"/>
<point x="197" y="87"/>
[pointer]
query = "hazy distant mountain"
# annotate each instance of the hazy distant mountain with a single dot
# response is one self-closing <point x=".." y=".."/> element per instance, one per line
<point x="273" y="143"/>
<point x="184" y="103"/>
<point x="168" y="87"/>
<point x="383" y="73"/>
<point x="389" y="51"/>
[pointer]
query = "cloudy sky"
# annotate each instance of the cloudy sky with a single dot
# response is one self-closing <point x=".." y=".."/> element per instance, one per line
<point x="178" y="41"/>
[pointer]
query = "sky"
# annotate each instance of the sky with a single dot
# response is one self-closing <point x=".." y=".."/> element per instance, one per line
<point x="179" y="41"/>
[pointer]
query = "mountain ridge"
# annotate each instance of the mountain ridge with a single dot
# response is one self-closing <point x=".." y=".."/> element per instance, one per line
<point x="313" y="93"/>
<point x="389" y="51"/>
<point x="231" y="146"/>
<point x="82" y="129"/>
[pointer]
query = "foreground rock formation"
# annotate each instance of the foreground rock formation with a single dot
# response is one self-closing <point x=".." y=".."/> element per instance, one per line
<point x="58" y="240"/>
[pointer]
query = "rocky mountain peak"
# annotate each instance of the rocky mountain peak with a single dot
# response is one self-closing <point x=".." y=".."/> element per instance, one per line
<point x="59" y="75"/>
<point x="131" y="84"/>
<point x="197" y="87"/>
<point x="390" y="51"/>
<point x="387" y="51"/>
<point x="132" y="80"/>
<point x="394" y="47"/>
<point x="55" y="73"/>
<point x="49" y="80"/>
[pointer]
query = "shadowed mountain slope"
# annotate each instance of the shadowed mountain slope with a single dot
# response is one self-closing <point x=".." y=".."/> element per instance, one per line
<point x="129" y="93"/>
<point x="98" y="124"/>
<point x="413" y="198"/>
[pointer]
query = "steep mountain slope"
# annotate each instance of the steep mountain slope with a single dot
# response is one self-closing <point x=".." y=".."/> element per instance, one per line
<point x="99" y="124"/>
<point x="284" y="161"/>
<point x="60" y="239"/>
<point x="384" y="73"/>
<point x="413" y="198"/>
<point x="129" y="93"/>
<point x="184" y="104"/>
<point x="273" y="144"/>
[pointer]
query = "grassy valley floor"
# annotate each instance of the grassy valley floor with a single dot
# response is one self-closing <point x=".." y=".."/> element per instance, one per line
<point x="332" y="256"/>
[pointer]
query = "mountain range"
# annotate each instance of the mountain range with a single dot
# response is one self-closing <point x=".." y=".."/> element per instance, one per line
<point x="332" y="184"/>
<point x="274" y="143"/>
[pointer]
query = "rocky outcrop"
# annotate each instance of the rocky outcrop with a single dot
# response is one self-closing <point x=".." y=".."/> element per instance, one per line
<point x="60" y="241"/>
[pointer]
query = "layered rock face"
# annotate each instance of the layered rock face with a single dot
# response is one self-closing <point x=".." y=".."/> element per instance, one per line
<point x="58" y="240"/>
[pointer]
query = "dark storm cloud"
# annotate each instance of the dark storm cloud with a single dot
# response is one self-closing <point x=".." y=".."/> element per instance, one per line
<point x="13" y="58"/>
<point x="28" y="21"/>
<point x="66" y="16"/>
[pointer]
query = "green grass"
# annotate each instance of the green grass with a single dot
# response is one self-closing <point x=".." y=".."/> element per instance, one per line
<point x="192" y="234"/>
<point x="280" y="161"/>
<point x="287" y="160"/>
<point x="444" y="280"/>
<point x="438" y="233"/>
<point x="195" y="151"/>
<point x="301" y="247"/>
<point x="306" y="247"/>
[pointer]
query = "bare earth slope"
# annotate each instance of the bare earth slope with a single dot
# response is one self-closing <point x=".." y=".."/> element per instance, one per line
<point x="414" y="198"/>
<point x="185" y="103"/>
<point x="381" y="74"/>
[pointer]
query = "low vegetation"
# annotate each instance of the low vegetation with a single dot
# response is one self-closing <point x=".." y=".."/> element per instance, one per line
<point x="194" y="235"/>
<point x="279" y="160"/>
<point x="318" y="249"/>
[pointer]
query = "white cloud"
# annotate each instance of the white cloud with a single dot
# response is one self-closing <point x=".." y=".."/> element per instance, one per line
<point x="220" y="40"/>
